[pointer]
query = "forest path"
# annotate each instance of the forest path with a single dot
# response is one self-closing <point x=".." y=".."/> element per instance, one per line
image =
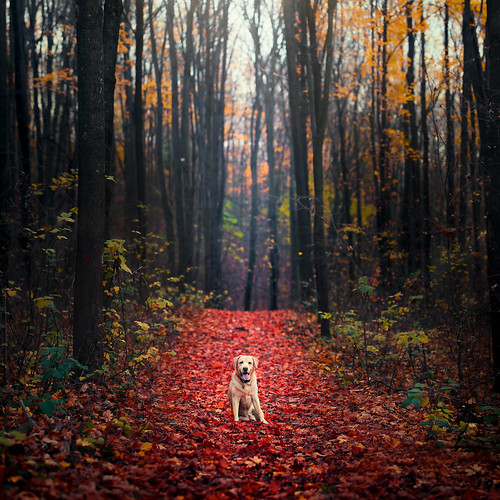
<point x="322" y="441"/>
<point x="169" y="433"/>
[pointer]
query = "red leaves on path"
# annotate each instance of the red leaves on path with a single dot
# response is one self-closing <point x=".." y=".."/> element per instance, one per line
<point x="322" y="441"/>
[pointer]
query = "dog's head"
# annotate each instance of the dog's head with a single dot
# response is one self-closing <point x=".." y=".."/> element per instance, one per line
<point x="245" y="366"/>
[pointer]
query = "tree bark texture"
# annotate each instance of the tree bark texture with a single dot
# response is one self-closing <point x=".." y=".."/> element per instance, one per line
<point x="319" y="95"/>
<point x="165" y="202"/>
<point x="450" y="131"/>
<point x="385" y="189"/>
<point x="491" y="165"/>
<point x="269" y="110"/>
<point x="139" y="132"/>
<point x="112" y="16"/>
<point x="295" y="38"/>
<point x="87" y="337"/>
<point x="23" y="123"/>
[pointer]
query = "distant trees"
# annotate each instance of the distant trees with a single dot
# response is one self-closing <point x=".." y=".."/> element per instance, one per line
<point x="254" y="20"/>
<point x="361" y="147"/>
<point x="309" y="90"/>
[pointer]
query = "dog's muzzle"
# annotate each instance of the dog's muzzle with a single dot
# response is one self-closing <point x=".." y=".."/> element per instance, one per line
<point x="245" y="377"/>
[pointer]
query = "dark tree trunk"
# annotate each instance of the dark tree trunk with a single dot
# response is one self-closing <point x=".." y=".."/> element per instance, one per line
<point x="465" y="101"/>
<point x="426" y="205"/>
<point x="344" y="179"/>
<point x="181" y="160"/>
<point x="165" y="203"/>
<point x="450" y="131"/>
<point x="384" y="184"/>
<point x="359" y="194"/>
<point x="5" y="191"/>
<point x="38" y="129"/>
<point x="130" y="163"/>
<point x="254" y="210"/>
<point x="139" y="132"/>
<point x="269" y="108"/>
<point x="214" y="162"/>
<point x="255" y="133"/>
<point x="186" y="169"/>
<point x="490" y="156"/>
<point x="410" y="241"/>
<point x="112" y="15"/>
<point x="295" y="37"/>
<point x="87" y="337"/>
<point x="319" y="94"/>
<point x="23" y="123"/>
<point x="477" y="80"/>
<point x="178" y="163"/>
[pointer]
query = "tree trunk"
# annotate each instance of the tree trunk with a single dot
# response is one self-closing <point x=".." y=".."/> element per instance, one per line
<point x="5" y="193"/>
<point x="254" y="211"/>
<point x="465" y="101"/>
<point x="165" y="203"/>
<point x="344" y="178"/>
<point x="450" y="131"/>
<point x="181" y="161"/>
<point x="139" y="133"/>
<point x="177" y="164"/>
<point x="295" y="38"/>
<point x="186" y="168"/>
<point x="255" y="133"/>
<point x="87" y="336"/>
<point x="214" y="173"/>
<point x="384" y="184"/>
<point x="491" y="163"/>
<point x="477" y="80"/>
<point x="319" y="94"/>
<point x="112" y="16"/>
<point x="426" y="205"/>
<point x="411" y="214"/>
<point x="23" y="123"/>
<point x="269" y="108"/>
<point x="129" y="161"/>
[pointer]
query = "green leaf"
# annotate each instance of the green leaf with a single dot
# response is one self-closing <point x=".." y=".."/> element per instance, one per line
<point x="19" y="436"/>
<point x="443" y="423"/>
<point x="65" y="217"/>
<point x="5" y="441"/>
<point x="48" y="406"/>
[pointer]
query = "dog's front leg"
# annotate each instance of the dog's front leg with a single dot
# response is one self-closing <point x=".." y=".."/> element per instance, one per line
<point x="258" y="409"/>
<point x="235" y="403"/>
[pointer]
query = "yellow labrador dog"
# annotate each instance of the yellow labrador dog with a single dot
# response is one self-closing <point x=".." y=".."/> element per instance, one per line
<point x="243" y="390"/>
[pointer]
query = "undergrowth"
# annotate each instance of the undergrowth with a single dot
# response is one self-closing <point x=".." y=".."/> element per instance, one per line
<point x="444" y="371"/>
<point x="37" y="366"/>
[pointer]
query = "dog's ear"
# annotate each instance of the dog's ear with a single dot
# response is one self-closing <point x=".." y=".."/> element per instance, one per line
<point x="235" y="361"/>
<point x="255" y="362"/>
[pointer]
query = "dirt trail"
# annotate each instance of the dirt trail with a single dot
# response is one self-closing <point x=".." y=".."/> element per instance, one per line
<point x="322" y="441"/>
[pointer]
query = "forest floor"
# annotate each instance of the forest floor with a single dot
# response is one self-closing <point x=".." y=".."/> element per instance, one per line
<point x="169" y="433"/>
